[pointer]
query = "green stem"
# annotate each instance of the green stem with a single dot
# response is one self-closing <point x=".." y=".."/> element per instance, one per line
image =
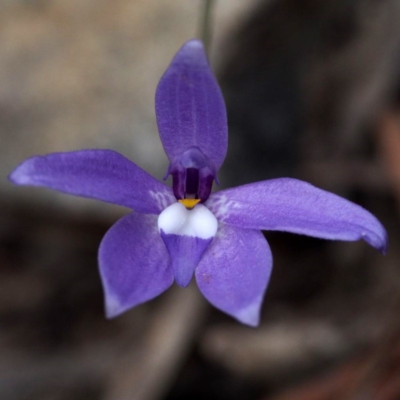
<point x="205" y="23"/>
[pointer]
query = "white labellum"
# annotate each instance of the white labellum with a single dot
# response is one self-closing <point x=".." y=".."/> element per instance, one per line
<point x="178" y="220"/>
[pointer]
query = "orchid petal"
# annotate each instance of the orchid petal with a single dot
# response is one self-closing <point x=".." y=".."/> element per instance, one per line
<point x="134" y="263"/>
<point x="294" y="206"/>
<point x="190" y="108"/>
<point x="186" y="234"/>
<point x="185" y="253"/>
<point x="234" y="272"/>
<point x="100" y="174"/>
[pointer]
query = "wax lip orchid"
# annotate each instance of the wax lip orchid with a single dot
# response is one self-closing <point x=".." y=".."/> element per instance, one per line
<point x="173" y="234"/>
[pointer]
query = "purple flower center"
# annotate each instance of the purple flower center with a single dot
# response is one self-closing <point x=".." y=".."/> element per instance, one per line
<point x="192" y="175"/>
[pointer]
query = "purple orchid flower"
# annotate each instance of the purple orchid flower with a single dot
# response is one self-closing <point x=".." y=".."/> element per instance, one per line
<point x="173" y="234"/>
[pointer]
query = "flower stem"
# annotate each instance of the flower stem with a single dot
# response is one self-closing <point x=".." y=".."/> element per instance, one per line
<point x="205" y="23"/>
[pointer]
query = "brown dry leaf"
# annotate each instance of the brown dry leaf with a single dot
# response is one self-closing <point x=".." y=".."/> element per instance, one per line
<point x="372" y="376"/>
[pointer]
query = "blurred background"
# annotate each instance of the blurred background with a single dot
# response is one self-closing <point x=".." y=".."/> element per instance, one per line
<point x="312" y="90"/>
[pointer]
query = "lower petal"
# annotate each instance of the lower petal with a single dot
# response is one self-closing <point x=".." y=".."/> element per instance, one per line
<point x="185" y="252"/>
<point x="186" y="233"/>
<point x="234" y="272"/>
<point x="134" y="263"/>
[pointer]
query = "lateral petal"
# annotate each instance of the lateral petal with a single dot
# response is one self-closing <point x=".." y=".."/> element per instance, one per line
<point x="100" y="174"/>
<point x="234" y="272"/>
<point x="294" y="206"/>
<point x="134" y="263"/>
<point x="190" y="108"/>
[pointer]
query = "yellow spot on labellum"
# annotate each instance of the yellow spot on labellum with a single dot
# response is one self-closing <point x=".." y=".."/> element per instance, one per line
<point x="189" y="203"/>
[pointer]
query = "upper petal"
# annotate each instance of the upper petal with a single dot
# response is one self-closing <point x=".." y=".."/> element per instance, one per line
<point x="190" y="108"/>
<point x="100" y="174"/>
<point x="294" y="206"/>
<point x="234" y="272"/>
<point x="134" y="263"/>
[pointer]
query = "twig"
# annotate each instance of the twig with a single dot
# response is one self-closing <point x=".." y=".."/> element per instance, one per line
<point x="205" y="32"/>
<point x="146" y="373"/>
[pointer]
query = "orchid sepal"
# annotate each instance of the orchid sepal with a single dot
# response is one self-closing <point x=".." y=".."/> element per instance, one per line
<point x="190" y="109"/>
<point x="134" y="263"/>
